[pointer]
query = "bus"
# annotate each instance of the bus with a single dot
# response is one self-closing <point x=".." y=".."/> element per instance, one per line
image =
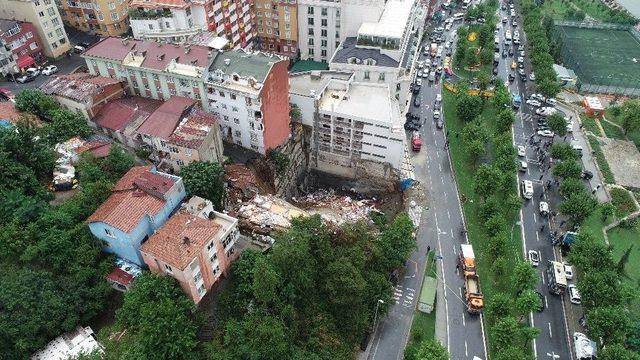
<point x="556" y="278"/>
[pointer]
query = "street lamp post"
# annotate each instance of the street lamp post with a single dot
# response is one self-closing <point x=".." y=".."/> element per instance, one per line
<point x="375" y="314"/>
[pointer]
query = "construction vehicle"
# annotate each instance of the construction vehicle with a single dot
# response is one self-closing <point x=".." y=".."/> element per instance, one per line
<point x="467" y="260"/>
<point x="473" y="295"/>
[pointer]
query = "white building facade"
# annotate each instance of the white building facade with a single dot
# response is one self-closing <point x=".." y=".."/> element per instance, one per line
<point x="323" y="24"/>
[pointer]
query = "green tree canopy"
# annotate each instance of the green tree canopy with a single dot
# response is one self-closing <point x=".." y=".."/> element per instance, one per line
<point x="64" y="125"/>
<point x="557" y="124"/>
<point x="578" y="206"/>
<point x="468" y="107"/>
<point x="568" y="169"/>
<point x="205" y="179"/>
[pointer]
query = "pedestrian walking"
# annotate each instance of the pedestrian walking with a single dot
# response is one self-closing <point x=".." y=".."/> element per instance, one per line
<point x="457" y="266"/>
<point x="593" y="191"/>
<point x="598" y="187"/>
<point x="541" y="176"/>
<point x="541" y="195"/>
<point x="542" y="228"/>
<point x="428" y="249"/>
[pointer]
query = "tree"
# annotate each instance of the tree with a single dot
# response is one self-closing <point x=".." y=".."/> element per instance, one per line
<point x="431" y="350"/>
<point x="557" y="124"/>
<point x="495" y="225"/>
<point x="598" y="290"/>
<point x="527" y="302"/>
<point x="64" y="125"/>
<point x="501" y="96"/>
<point x="630" y="111"/>
<point x="25" y="146"/>
<point x="578" y="207"/>
<point x="205" y="179"/>
<point x="503" y="332"/>
<point x="617" y="352"/>
<point x="500" y="306"/>
<point x="571" y="186"/>
<point x="547" y="87"/>
<point x="505" y="119"/>
<point x="607" y="210"/>
<point x="524" y="277"/>
<point x="563" y="151"/>
<point x="609" y="323"/>
<point x="294" y="113"/>
<point x="568" y="169"/>
<point x="485" y="180"/>
<point x="624" y="259"/>
<point x="468" y="107"/>
<point x="395" y="243"/>
<point x="118" y="162"/>
<point x="35" y="102"/>
<point x="151" y="312"/>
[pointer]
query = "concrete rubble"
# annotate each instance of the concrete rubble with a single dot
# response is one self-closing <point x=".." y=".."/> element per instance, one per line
<point x="335" y="208"/>
<point x="265" y="213"/>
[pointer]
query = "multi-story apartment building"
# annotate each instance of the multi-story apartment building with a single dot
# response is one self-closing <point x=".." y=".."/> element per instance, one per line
<point x="385" y="51"/>
<point x="149" y="68"/>
<point x="195" y="247"/>
<point x="23" y="40"/>
<point x="175" y="20"/>
<point x="140" y="203"/>
<point x="250" y="94"/>
<point x="249" y="91"/>
<point x="179" y="132"/>
<point x="357" y="128"/>
<point x="323" y="24"/>
<point x="101" y="17"/>
<point x="7" y="60"/>
<point x="44" y="16"/>
<point x="277" y="26"/>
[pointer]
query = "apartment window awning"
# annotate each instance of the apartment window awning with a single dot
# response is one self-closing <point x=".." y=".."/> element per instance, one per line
<point x="25" y="61"/>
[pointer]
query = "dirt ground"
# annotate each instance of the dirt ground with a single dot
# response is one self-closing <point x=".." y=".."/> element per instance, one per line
<point x="624" y="160"/>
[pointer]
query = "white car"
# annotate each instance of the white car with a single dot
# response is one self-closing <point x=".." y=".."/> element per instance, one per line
<point x="551" y="101"/>
<point x="447" y="44"/>
<point x="504" y="20"/>
<point x="33" y="71"/>
<point x="521" y="151"/>
<point x="447" y="27"/>
<point x="438" y="98"/>
<point x="568" y="271"/>
<point x="420" y="64"/>
<point x="520" y="59"/>
<point x="50" y="70"/>
<point x="535" y="103"/>
<point x="419" y="73"/>
<point x="532" y="77"/>
<point x="523" y="166"/>
<point x="436" y="114"/>
<point x="544" y="208"/>
<point x="569" y="125"/>
<point x="534" y="258"/>
<point x="419" y="81"/>
<point x="574" y="295"/>
<point x="537" y="97"/>
<point x="425" y="74"/>
<point x="546" y="133"/>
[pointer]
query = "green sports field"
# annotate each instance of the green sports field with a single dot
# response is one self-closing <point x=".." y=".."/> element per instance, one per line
<point x="602" y="56"/>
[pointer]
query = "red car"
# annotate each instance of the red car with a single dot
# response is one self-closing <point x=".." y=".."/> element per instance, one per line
<point x="416" y="141"/>
<point x="6" y="94"/>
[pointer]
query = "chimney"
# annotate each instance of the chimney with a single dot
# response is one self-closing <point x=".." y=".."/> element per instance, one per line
<point x="187" y="48"/>
<point x="186" y="240"/>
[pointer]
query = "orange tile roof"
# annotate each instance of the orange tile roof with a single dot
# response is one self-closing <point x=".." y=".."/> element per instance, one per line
<point x="180" y="239"/>
<point x="127" y="205"/>
<point x="8" y="111"/>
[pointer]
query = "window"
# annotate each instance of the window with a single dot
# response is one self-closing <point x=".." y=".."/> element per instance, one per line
<point x="253" y="136"/>
<point x="214" y="257"/>
<point x="310" y="52"/>
<point x="236" y="120"/>
<point x="114" y="16"/>
<point x="323" y="53"/>
<point x="150" y="26"/>
<point x="155" y="76"/>
<point x="311" y="31"/>
<point x="50" y="35"/>
<point x="237" y="133"/>
<point x="381" y="76"/>
<point x="59" y="32"/>
<point x="168" y="268"/>
<point x="323" y="43"/>
<point x="233" y="96"/>
<point x="100" y="16"/>
<point x="180" y="162"/>
<point x="188" y="11"/>
<point x="41" y="14"/>
<point x="33" y="46"/>
<point x="216" y="270"/>
<point x="309" y="20"/>
<point x="197" y="277"/>
<point x="109" y="233"/>
<point x="51" y="11"/>
<point x="323" y="32"/>
<point x="201" y="290"/>
<point x="310" y="41"/>
<point x="221" y="93"/>
<point x="55" y="22"/>
<point x="323" y="22"/>
<point x="366" y="75"/>
<point x="224" y="106"/>
<point x="310" y="10"/>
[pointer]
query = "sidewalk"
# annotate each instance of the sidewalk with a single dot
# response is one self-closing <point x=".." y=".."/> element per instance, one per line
<point x="588" y="160"/>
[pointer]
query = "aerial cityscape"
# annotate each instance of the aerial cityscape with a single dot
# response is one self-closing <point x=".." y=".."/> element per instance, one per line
<point x="320" y="179"/>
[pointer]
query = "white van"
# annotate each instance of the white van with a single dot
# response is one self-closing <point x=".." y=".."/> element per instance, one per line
<point x="496" y="40"/>
<point x="458" y="17"/>
<point x="526" y="186"/>
<point x="507" y="35"/>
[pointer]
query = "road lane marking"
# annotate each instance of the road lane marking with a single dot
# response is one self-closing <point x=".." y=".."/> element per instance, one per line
<point x="542" y="277"/>
<point x="550" y="333"/>
<point x="537" y="237"/>
<point x="448" y="214"/>
<point x="546" y="304"/>
<point x="466" y="348"/>
<point x="535" y="218"/>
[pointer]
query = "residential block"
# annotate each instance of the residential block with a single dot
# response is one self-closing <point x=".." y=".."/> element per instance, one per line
<point x="23" y="40"/>
<point x="101" y="17"/>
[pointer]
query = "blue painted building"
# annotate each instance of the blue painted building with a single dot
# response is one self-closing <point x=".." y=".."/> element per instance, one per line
<point x="140" y="203"/>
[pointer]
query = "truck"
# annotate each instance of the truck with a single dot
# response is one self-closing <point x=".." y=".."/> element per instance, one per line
<point x="467" y="260"/>
<point x="416" y="141"/>
<point x="473" y="295"/>
<point x="434" y="49"/>
<point x="556" y="278"/>
<point x="516" y="101"/>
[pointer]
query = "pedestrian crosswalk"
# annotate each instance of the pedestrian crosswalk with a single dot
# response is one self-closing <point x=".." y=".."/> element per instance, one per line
<point x="404" y="296"/>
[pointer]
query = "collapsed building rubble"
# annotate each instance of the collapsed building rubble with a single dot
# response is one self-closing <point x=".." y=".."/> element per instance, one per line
<point x="266" y="213"/>
<point x="336" y="208"/>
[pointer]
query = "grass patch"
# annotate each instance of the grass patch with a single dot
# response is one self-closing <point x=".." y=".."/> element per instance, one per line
<point x="591" y="125"/>
<point x="602" y="162"/>
<point x="633" y="136"/>
<point x="594" y="224"/>
<point x="612" y="131"/>
<point x="623" y="202"/>
<point x="423" y="326"/>
<point x="621" y="239"/>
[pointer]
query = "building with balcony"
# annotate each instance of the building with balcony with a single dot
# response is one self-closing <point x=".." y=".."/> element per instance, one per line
<point x="73" y="344"/>
<point x="23" y="40"/>
<point x="177" y="20"/>
<point x="324" y="24"/>
<point x="8" y="64"/>
<point x="357" y="127"/>
<point x="250" y="94"/>
<point x="139" y="204"/>
<point x="277" y="26"/>
<point x="151" y="69"/>
<point x="101" y="17"/>
<point x="180" y="132"/>
<point x="195" y="246"/>
<point x="384" y="51"/>
<point x="83" y="93"/>
<point x="45" y="18"/>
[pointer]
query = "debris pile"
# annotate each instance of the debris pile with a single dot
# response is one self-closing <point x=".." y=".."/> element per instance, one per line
<point x="265" y="213"/>
<point x="335" y="208"/>
<point x="243" y="184"/>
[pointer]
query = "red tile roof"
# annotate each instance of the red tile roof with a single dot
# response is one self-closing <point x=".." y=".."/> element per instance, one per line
<point x="153" y="182"/>
<point x="191" y="133"/>
<point x="127" y="205"/>
<point x="117" y="114"/>
<point x="77" y="86"/>
<point x="120" y="276"/>
<point x="180" y="239"/>
<point x="156" y="55"/>
<point x="98" y="149"/>
<point x="166" y="118"/>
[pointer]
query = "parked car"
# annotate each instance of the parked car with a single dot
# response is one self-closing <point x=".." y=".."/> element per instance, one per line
<point x="568" y="271"/>
<point x="416" y="101"/>
<point x="534" y="258"/>
<point x="33" y="71"/>
<point x="587" y="175"/>
<point x="50" y="70"/>
<point x="535" y="103"/>
<point x="436" y="114"/>
<point x="438" y="98"/>
<point x="532" y="77"/>
<point x="546" y="133"/>
<point x="439" y="124"/>
<point x="25" y="78"/>
<point x="79" y="49"/>
<point x="523" y="166"/>
<point x="6" y="94"/>
<point x="521" y="151"/>
<point x="544" y="208"/>
<point x="574" y="295"/>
